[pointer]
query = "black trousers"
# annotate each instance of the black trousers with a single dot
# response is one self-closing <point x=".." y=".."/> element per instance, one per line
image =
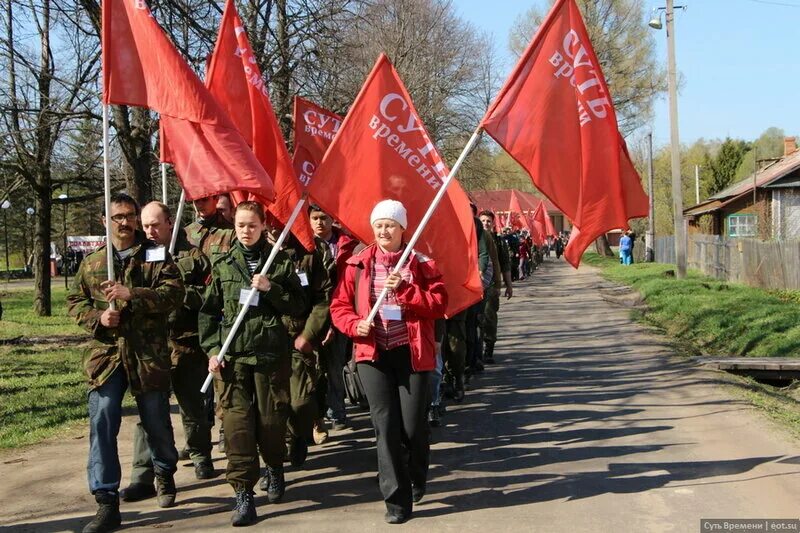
<point x="398" y="398"/>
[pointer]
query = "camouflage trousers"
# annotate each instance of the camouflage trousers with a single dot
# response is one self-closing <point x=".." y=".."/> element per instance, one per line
<point x="455" y="347"/>
<point x="490" y="310"/>
<point x="303" y="395"/>
<point x="255" y="402"/>
<point x="189" y="370"/>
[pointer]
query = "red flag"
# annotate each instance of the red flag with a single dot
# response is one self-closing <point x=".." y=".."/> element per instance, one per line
<point x="383" y="151"/>
<point x="314" y="130"/>
<point x="538" y="224"/>
<point x="542" y="224"/>
<point x="515" y="209"/>
<point x="498" y="224"/>
<point x="142" y="68"/>
<point x="555" y="117"/>
<point x="235" y="81"/>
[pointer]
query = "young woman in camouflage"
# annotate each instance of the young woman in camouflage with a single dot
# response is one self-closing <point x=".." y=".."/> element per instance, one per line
<point x="256" y="369"/>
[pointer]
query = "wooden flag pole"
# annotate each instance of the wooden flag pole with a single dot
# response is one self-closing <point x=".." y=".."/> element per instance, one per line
<point x="425" y="219"/>
<point x="107" y="191"/>
<point x="246" y="305"/>
<point x="177" y="222"/>
<point x="164" y="183"/>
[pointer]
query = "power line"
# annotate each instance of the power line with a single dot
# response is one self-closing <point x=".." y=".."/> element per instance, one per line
<point x="774" y="3"/>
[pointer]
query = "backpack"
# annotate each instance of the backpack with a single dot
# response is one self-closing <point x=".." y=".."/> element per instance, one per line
<point x="352" y="382"/>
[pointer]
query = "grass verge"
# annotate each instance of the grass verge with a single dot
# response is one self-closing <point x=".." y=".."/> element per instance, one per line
<point x="20" y="320"/>
<point x="42" y="392"/>
<point x="704" y="316"/>
<point x="711" y="317"/>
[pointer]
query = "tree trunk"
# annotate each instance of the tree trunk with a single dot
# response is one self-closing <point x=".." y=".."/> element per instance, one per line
<point x="134" y="133"/>
<point x="44" y="149"/>
<point x="281" y="80"/>
<point x="42" y="304"/>
<point x="603" y="247"/>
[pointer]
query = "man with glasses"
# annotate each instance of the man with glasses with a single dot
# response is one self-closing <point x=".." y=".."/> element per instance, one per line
<point x="127" y="318"/>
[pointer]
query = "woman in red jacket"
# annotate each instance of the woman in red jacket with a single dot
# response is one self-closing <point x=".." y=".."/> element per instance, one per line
<point x="395" y="353"/>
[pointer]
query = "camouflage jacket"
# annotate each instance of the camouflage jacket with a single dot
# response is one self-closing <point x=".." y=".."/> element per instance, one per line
<point x="213" y="236"/>
<point x="262" y="336"/>
<point x="139" y="343"/>
<point x="195" y="270"/>
<point x="316" y="270"/>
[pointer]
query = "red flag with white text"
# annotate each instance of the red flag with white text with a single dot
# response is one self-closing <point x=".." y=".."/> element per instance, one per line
<point x="142" y="68"/>
<point x="383" y="151"/>
<point x="314" y="130"/>
<point x="555" y="117"/>
<point x="234" y="79"/>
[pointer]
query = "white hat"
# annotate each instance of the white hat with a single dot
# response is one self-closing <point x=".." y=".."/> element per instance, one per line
<point x="391" y="209"/>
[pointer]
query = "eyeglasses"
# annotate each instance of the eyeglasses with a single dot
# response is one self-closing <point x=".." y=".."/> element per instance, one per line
<point x="122" y="217"/>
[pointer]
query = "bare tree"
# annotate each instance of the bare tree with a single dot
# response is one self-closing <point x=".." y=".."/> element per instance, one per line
<point x="42" y="94"/>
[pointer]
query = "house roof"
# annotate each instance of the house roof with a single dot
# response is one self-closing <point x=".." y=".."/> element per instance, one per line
<point x="763" y="178"/>
<point x="500" y="199"/>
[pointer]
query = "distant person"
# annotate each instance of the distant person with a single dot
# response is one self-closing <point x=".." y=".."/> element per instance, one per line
<point x="626" y="249"/>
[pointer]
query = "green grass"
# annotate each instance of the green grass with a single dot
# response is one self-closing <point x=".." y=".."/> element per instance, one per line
<point x="19" y="318"/>
<point x="710" y="317"/>
<point x="42" y="392"/>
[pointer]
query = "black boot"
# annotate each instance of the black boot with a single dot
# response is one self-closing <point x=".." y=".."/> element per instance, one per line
<point x="244" y="514"/>
<point x="276" y="484"/>
<point x="488" y="354"/>
<point x="298" y="451"/>
<point x="107" y="517"/>
<point x="458" y="389"/>
<point x="165" y="490"/>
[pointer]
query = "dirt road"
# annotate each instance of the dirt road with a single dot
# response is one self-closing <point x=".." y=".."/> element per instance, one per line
<point x="585" y="424"/>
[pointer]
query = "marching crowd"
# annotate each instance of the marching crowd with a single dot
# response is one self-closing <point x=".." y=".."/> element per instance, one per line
<point x="303" y="346"/>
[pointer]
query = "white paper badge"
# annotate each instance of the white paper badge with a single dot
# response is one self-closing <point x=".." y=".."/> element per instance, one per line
<point x="303" y="278"/>
<point x="391" y="312"/>
<point x="152" y="255"/>
<point x="244" y="293"/>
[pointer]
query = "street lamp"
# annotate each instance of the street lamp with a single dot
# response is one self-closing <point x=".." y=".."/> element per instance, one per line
<point x="30" y="212"/>
<point x="64" y="268"/>
<point x="5" y="206"/>
<point x="677" y="188"/>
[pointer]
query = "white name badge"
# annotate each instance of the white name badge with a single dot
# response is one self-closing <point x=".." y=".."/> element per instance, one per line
<point x="244" y="293"/>
<point x="303" y="278"/>
<point x="392" y="312"/>
<point x="152" y="255"/>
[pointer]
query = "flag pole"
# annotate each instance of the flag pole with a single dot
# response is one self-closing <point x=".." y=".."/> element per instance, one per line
<point x="107" y="194"/>
<point x="164" y="183"/>
<point x="246" y="305"/>
<point x="177" y="222"/>
<point x="425" y="219"/>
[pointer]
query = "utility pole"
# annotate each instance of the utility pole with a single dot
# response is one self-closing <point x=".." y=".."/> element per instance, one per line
<point x="675" y="147"/>
<point x="650" y="236"/>
<point x="697" y="182"/>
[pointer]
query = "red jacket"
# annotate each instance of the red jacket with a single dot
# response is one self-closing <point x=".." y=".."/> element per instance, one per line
<point x="423" y="300"/>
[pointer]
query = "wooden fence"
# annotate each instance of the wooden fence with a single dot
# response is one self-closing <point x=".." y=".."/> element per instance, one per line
<point x="765" y="264"/>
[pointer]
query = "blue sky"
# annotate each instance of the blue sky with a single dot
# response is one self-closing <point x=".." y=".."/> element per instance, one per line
<point x="738" y="60"/>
